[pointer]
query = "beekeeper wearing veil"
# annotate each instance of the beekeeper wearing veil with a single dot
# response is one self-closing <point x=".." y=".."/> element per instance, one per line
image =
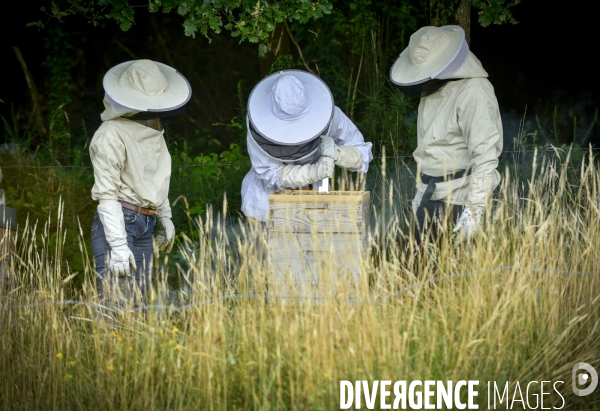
<point x="132" y="171"/>
<point x="459" y="131"/>
<point x="296" y="135"/>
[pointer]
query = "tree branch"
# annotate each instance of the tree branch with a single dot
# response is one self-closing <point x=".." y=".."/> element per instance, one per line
<point x="126" y="50"/>
<point x="35" y="97"/>
<point x="298" y="47"/>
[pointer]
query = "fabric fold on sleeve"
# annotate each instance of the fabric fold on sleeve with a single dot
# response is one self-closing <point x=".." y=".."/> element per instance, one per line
<point x="108" y="158"/>
<point x="266" y="169"/>
<point x="479" y="118"/>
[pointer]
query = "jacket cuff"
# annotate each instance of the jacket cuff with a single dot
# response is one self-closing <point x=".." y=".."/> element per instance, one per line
<point x="164" y="210"/>
<point x="481" y="185"/>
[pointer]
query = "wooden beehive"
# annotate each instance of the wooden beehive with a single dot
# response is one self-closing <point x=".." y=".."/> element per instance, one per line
<point x="316" y="241"/>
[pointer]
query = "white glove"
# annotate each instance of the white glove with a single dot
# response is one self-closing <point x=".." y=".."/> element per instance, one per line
<point x="293" y="176"/>
<point x="350" y="158"/>
<point x="347" y="157"/>
<point x="121" y="257"/>
<point x="469" y="222"/>
<point x="166" y="234"/>
<point x="329" y="148"/>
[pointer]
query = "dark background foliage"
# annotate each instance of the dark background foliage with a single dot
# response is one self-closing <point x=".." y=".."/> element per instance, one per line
<point x="542" y="63"/>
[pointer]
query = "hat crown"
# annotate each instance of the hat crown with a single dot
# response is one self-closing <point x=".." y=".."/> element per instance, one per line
<point x="289" y="99"/>
<point x="425" y="44"/>
<point x="143" y="77"/>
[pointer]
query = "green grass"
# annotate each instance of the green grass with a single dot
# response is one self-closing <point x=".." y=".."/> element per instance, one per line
<point x="527" y="322"/>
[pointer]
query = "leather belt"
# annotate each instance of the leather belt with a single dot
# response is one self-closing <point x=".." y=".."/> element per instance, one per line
<point x="137" y="209"/>
<point x="432" y="181"/>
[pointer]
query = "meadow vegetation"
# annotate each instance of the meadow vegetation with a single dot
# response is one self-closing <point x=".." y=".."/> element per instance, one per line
<point x="518" y="303"/>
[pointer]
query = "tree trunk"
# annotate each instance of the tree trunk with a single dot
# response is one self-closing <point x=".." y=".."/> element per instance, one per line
<point x="462" y="18"/>
<point x="35" y="96"/>
<point x="277" y="45"/>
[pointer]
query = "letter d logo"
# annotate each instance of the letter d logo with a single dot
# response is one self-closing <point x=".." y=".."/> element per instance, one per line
<point x="582" y="379"/>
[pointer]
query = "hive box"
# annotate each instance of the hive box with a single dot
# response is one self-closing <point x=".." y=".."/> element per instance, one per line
<point x="316" y="241"/>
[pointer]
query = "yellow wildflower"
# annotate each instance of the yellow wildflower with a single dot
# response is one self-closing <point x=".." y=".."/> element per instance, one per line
<point x="110" y="368"/>
<point x="71" y="363"/>
<point x="59" y="356"/>
<point x="175" y="330"/>
<point x="68" y="377"/>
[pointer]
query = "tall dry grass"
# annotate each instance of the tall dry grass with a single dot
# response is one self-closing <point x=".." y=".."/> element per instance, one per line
<point x="526" y="308"/>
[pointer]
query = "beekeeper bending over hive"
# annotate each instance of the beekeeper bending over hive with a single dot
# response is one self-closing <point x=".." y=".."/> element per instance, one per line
<point x="132" y="171"/>
<point x="459" y="130"/>
<point x="295" y="137"/>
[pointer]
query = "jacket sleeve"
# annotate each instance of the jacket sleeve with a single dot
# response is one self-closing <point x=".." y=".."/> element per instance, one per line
<point x="164" y="209"/>
<point x="108" y="158"/>
<point x="266" y="168"/>
<point x="345" y="133"/>
<point x="479" y="120"/>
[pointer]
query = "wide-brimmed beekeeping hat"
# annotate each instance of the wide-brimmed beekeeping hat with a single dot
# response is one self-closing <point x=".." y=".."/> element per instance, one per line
<point x="432" y="53"/>
<point x="146" y="85"/>
<point x="290" y="108"/>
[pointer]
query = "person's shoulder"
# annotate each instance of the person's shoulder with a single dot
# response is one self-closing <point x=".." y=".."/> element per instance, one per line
<point x="476" y="84"/>
<point x="478" y="87"/>
<point x="338" y="115"/>
<point x="108" y="132"/>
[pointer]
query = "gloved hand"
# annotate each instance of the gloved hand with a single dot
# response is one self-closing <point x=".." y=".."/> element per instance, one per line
<point x="469" y="222"/>
<point x="329" y="148"/>
<point x="294" y="176"/>
<point x="121" y="257"/>
<point x="166" y="234"/>
<point x="350" y="158"/>
<point x="347" y="157"/>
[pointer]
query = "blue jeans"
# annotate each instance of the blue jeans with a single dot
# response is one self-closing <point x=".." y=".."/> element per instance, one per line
<point x="139" y="229"/>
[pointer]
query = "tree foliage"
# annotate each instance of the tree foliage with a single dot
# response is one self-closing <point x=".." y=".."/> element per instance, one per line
<point x="495" y="11"/>
<point x="490" y="11"/>
<point x="250" y="20"/>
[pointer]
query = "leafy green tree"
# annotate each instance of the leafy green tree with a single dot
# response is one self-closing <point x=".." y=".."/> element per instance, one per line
<point x="251" y="20"/>
<point x="442" y="12"/>
<point x="258" y="21"/>
<point x="266" y="21"/>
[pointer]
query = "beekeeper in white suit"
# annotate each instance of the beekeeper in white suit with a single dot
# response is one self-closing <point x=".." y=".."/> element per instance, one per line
<point x="296" y="135"/>
<point x="132" y="170"/>
<point x="459" y="130"/>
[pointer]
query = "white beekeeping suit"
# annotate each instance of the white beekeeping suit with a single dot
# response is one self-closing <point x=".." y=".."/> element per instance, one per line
<point x="458" y="125"/>
<point x="295" y="137"/>
<point x="132" y="166"/>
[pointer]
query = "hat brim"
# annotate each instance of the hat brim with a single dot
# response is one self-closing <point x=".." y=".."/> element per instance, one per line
<point x="178" y="92"/>
<point x="286" y="132"/>
<point x="404" y="73"/>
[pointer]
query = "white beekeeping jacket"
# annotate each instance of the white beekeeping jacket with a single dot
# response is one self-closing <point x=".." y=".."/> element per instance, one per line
<point x="263" y="178"/>
<point x="458" y="128"/>
<point x="131" y="162"/>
